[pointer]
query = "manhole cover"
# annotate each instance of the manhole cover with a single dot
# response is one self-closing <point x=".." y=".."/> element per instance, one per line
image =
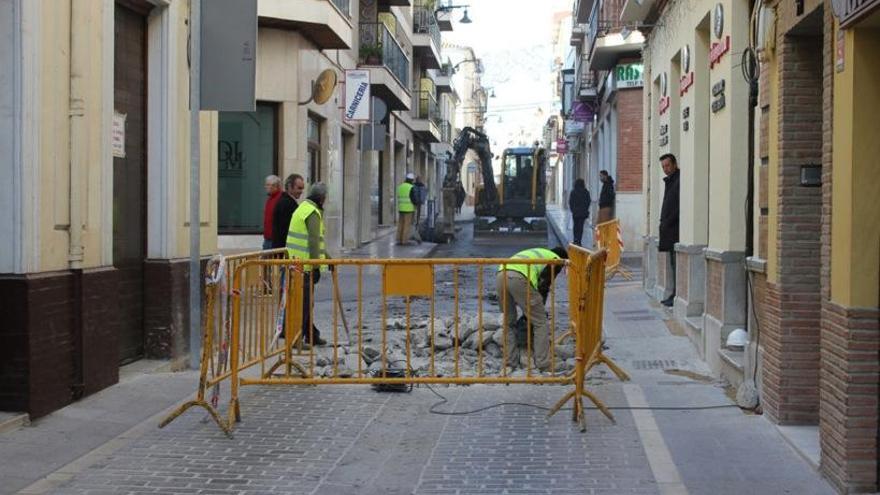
<point x="654" y="364"/>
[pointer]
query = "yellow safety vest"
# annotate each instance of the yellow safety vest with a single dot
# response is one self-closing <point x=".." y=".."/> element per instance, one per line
<point x="530" y="272"/>
<point x="404" y="203"/>
<point x="298" y="234"/>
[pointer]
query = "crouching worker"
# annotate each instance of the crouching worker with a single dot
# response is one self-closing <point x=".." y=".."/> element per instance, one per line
<point x="305" y="240"/>
<point x="527" y="286"/>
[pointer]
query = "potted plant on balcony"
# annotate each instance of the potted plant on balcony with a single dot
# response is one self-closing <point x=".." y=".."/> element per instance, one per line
<point x="371" y="54"/>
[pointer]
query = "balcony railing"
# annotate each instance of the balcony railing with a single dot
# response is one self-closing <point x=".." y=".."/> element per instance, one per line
<point x="427" y="108"/>
<point x="424" y="22"/>
<point x="604" y="19"/>
<point x="344" y="6"/>
<point x="377" y="41"/>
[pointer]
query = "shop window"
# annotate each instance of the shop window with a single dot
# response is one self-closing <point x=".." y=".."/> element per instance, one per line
<point x="247" y="153"/>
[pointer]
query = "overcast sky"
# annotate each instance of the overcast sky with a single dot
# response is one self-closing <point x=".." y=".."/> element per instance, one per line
<point x="513" y="37"/>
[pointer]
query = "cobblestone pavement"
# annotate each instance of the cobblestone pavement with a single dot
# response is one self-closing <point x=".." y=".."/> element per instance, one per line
<point x="349" y="439"/>
<point x="339" y="439"/>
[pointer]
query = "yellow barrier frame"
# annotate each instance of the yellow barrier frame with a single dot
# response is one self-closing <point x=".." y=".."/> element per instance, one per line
<point x="607" y="238"/>
<point x="586" y="300"/>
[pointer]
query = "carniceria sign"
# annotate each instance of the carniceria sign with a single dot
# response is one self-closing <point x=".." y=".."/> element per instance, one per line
<point x="628" y="76"/>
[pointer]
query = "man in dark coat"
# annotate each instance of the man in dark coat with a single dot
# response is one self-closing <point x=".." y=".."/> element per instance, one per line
<point x="579" y="204"/>
<point x="669" y="221"/>
<point x="606" y="197"/>
<point x="284" y="208"/>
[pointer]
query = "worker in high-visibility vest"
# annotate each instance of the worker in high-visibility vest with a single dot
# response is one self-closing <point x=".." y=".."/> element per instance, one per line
<point x="305" y="240"/>
<point x="406" y="207"/>
<point x="526" y="287"/>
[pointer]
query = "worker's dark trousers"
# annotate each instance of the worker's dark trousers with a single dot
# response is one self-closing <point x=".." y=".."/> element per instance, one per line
<point x="578" y="225"/>
<point x="307" y="309"/>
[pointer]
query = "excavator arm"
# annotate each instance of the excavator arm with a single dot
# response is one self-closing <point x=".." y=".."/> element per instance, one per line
<point x="472" y="139"/>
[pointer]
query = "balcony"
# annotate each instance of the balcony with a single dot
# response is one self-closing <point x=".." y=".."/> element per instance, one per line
<point x="582" y="9"/>
<point x="443" y="78"/>
<point x="389" y="66"/>
<point x="577" y="34"/>
<point x="636" y="11"/>
<point x="441" y="149"/>
<point x="326" y="22"/>
<point x="605" y="41"/>
<point x="426" y="116"/>
<point x="426" y="35"/>
<point x="587" y="83"/>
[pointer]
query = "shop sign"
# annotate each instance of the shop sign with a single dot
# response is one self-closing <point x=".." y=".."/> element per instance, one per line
<point x="719" y="100"/>
<point x="664" y="104"/>
<point x="574" y="127"/>
<point x="561" y="146"/>
<point x="718" y="20"/>
<point x="848" y="12"/>
<point x="629" y="76"/>
<point x="685" y="83"/>
<point x="718" y="49"/>
<point x="581" y="112"/>
<point x="686" y="59"/>
<point x="685" y="115"/>
<point x="840" y="58"/>
<point x="357" y="95"/>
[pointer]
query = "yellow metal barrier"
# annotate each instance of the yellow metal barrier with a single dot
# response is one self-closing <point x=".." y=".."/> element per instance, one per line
<point x="410" y="351"/>
<point x="264" y="289"/>
<point x="609" y="237"/>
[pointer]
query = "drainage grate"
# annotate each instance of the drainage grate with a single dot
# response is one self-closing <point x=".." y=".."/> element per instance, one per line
<point x="654" y="364"/>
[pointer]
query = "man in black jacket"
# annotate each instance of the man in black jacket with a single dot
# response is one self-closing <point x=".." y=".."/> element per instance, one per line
<point x="284" y="208"/>
<point x="579" y="204"/>
<point x="669" y="221"/>
<point x="606" y="197"/>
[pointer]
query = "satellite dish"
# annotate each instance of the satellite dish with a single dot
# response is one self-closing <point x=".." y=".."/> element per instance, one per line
<point x="323" y="88"/>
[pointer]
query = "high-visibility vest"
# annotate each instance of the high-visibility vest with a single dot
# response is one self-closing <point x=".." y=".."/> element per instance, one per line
<point x="404" y="203"/>
<point x="298" y="233"/>
<point x="530" y="272"/>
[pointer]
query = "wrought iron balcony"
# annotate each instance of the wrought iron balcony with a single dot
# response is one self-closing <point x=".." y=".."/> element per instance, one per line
<point x="380" y="47"/>
<point x="424" y="21"/>
<point x="344" y="6"/>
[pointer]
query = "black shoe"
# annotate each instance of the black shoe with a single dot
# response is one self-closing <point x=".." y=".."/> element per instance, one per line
<point x="315" y="336"/>
<point x="668" y="302"/>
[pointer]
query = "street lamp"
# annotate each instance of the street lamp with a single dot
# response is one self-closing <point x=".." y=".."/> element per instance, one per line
<point x="447" y="8"/>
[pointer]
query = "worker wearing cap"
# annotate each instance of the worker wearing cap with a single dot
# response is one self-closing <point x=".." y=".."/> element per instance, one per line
<point x="406" y="207"/>
<point x="305" y="241"/>
<point x="527" y="286"/>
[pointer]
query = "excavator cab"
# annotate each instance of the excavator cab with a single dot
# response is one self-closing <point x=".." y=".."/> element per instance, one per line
<point x="520" y="205"/>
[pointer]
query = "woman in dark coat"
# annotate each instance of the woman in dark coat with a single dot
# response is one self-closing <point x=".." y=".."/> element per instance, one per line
<point x="579" y="204"/>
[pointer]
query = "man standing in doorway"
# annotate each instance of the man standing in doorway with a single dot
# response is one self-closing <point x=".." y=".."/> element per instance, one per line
<point x="669" y="222"/>
<point x="273" y="191"/>
<point x="305" y="241"/>
<point x="405" y="208"/>
<point x="606" y="197"/>
<point x="287" y="203"/>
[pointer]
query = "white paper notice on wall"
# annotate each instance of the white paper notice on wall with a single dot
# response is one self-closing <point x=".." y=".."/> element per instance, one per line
<point x="117" y="135"/>
<point x="357" y="96"/>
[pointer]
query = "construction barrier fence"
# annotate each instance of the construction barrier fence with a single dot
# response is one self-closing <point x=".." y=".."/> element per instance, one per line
<point x="610" y="238"/>
<point x="433" y="321"/>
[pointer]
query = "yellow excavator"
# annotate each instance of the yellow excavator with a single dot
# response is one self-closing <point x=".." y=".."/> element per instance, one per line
<point x="517" y="203"/>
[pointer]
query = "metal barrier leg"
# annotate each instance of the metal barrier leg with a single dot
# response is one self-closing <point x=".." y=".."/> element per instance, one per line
<point x="617" y="370"/>
<point x="203" y="404"/>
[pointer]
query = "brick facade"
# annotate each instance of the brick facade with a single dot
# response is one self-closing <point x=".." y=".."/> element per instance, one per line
<point x="58" y="341"/>
<point x="629" y="140"/>
<point x="849" y="396"/>
<point x="791" y="376"/>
